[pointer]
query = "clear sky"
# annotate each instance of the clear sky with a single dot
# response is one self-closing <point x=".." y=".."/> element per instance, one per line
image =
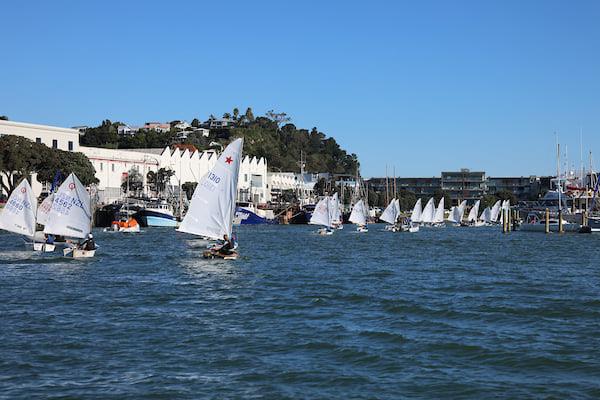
<point x="425" y="85"/>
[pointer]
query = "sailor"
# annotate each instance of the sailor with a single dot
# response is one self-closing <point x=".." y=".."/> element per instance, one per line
<point x="50" y="239"/>
<point x="88" y="244"/>
<point x="227" y="247"/>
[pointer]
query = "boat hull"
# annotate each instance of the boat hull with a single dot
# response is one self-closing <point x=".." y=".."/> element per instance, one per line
<point x="153" y="218"/>
<point x="78" y="253"/>
<point x="244" y="216"/>
<point x="553" y="227"/>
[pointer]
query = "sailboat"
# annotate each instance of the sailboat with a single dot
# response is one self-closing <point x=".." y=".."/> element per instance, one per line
<point x="71" y="215"/>
<point x="212" y="207"/>
<point x="473" y="213"/>
<point x="417" y="211"/>
<point x="495" y="213"/>
<point x="457" y="213"/>
<point x="428" y="212"/>
<point x="486" y="216"/>
<point x="322" y="215"/>
<point x="359" y="215"/>
<point x="18" y="215"/>
<point x="43" y="211"/>
<point x="336" y="221"/>
<point x="438" y="216"/>
<point x="391" y="214"/>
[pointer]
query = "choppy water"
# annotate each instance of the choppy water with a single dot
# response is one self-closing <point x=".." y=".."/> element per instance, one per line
<point x="445" y="313"/>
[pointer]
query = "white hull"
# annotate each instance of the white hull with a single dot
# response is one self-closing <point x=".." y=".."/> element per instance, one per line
<point x="78" y="253"/>
<point x="44" y="247"/>
<point x="362" y="229"/>
<point x="537" y="227"/>
<point x="324" y="232"/>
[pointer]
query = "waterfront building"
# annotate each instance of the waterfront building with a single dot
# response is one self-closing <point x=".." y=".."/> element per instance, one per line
<point x="187" y="163"/>
<point x="464" y="185"/>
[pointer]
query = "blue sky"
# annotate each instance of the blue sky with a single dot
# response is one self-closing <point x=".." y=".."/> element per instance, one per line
<point x="423" y="86"/>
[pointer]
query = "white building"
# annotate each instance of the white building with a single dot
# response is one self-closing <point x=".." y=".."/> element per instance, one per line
<point x="110" y="164"/>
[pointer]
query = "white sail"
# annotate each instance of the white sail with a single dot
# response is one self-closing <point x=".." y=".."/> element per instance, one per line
<point x="457" y="213"/>
<point x="439" y="212"/>
<point x="474" y="212"/>
<point x="417" y="211"/>
<point x="428" y="212"/>
<point x="71" y="214"/>
<point x="212" y="207"/>
<point x="322" y="213"/>
<point x="506" y="205"/>
<point x="390" y="214"/>
<point x="486" y="215"/>
<point x="495" y="211"/>
<point x="44" y="209"/>
<point x="18" y="214"/>
<point x="358" y="215"/>
<point x="336" y="212"/>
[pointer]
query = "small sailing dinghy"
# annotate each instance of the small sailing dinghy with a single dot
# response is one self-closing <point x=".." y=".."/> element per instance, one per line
<point x="358" y="216"/>
<point x="18" y="215"/>
<point x="390" y="215"/>
<point x="43" y="212"/>
<point x="323" y="215"/>
<point x="473" y="213"/>
<point x="212" y="208"/>
<point x="438" y="216"/>
<point x="71" y="217"/>
<point x="457" y="213"/>
<point x="336" y="220"/>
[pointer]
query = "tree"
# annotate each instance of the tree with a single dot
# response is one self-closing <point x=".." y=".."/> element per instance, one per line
<point x="278" y="118"/>
<point x="3" y="118"/>
<point x="133" y="181"/>
<point x="19" y="157"/>
<point x="227" y="115"/>
<point x="188" y="188"/>
<point x="157" y="181"/>
<point x="236" y="114"/>
<point x="320" y="187"/>
<point x="195" y="123"/>
<point x="249" y="115"/>
<point x="487" y="201"/>
<point x="437" y="196"/>
<point x="507" y="195"/>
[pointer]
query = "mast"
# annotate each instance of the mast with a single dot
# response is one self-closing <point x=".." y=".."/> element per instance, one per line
<point x="387" y="197"/>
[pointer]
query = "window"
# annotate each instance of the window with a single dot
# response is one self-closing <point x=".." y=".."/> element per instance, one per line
<point x="101" y="166"/>
<point x="112" y="167"/>
<point x="70" y="145"/>
<point x="245" y="177"/>
<point x="38" y="140"/>
<point x="54" y="144"/>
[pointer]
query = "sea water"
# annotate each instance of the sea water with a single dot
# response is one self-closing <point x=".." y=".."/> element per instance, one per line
<point x="442" y="313"/>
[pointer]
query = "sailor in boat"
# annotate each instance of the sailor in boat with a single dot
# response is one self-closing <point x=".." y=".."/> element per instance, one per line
<point x="49" y="239"/>
<point x="226" y="248"/>
<point x="87" y="244"/>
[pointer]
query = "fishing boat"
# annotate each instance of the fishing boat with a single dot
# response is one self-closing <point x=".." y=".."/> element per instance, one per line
<point x="247" y="213"/>
<point x="212" y="208"/>
<point x="323" y="215"/>
<point x="359" y="216"/>
<point x="71" y="216"/>
<point x="18" y="215"/>
<point x="156" y="213"/>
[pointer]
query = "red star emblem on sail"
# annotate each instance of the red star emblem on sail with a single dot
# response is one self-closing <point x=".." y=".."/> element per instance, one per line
<point x="229" y="160"/>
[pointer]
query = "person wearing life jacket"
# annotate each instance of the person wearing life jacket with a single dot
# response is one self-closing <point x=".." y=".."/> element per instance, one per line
<point x="88" y="244"/>
<point x="227" y="247"/>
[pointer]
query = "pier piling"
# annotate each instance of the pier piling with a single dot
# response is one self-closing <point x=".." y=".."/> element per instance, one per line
<point x="547" y="220"/>
<point x="560" y="222"/>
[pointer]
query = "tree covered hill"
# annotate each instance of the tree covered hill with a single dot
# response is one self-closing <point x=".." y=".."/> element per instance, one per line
<point x="271" y="136"/>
